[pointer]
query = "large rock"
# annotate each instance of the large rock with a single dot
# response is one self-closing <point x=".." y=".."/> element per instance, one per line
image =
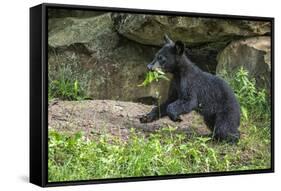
<point x="204" y="37"/>
<point x="253" y="54"/>
<point x="68" y="31"/>
<point x="112" y="50"/>
<point x="150" y="29"/>
<point x="117" y="65"/>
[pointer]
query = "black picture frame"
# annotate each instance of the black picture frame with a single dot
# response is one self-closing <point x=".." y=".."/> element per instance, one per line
<point x="39" y="98"/>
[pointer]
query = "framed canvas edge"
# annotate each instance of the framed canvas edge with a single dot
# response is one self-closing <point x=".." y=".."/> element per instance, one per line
<point x="44" y="99"/>
<point x="38" y="144"/>
<point x="156" y="12"/>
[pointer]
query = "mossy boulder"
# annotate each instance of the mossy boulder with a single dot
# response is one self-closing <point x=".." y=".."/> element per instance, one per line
<point x="111" y="50"/>
<point x="253" y="54"/>
<point x="117" y="64"/>
<point x="150" y="29"/>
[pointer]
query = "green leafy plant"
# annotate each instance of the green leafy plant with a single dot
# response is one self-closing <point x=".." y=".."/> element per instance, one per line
<point x="153" y="76"/>
<point x="66" y="90"/>
<point x="73" y="157"/>
<point x="253" y="101"/>
<point x="67" y="83"/>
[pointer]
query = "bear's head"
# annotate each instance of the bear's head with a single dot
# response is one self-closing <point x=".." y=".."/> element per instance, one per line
<point x="167" y="57"/>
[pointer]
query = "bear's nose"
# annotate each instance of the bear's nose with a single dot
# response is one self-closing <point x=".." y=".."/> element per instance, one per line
<point x="149" y="66"/>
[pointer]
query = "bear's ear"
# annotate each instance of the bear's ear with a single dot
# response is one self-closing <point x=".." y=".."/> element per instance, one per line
<point x="179" y="45"/>
<point x="167" y="39"/>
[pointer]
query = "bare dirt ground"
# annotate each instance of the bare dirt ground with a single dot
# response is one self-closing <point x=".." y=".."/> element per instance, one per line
<point x="95" y="117"/>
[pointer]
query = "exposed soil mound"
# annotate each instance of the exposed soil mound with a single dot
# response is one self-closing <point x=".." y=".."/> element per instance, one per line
<point x="96" y="117"/>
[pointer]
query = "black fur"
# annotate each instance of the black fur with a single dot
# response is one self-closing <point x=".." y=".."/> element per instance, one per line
<point x="193" y="89"/>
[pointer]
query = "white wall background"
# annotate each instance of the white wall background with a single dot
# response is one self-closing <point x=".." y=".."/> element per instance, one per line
<point x="14" y="96"/>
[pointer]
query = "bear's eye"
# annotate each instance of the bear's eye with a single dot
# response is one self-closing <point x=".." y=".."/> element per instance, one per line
<point x="161" y="58"/>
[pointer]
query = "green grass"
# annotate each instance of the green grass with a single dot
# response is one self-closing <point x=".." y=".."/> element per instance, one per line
<point x="73" y="157"/>
<point x="67" y="81"/>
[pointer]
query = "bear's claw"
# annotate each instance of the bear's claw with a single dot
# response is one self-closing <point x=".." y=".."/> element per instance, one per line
<point x="145" y="119"/>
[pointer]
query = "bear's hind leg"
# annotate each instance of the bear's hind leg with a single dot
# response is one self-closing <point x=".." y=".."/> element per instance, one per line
<point x="225" y="129"/>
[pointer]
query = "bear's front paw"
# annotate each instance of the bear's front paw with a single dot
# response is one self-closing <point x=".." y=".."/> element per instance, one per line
<point x="146" y="119"/>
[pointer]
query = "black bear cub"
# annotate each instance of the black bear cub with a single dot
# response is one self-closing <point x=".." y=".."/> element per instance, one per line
<point x="192" y="89"/>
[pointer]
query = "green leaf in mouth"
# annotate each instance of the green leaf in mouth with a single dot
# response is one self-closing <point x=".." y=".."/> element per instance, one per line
<point x="153" y="76"/>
